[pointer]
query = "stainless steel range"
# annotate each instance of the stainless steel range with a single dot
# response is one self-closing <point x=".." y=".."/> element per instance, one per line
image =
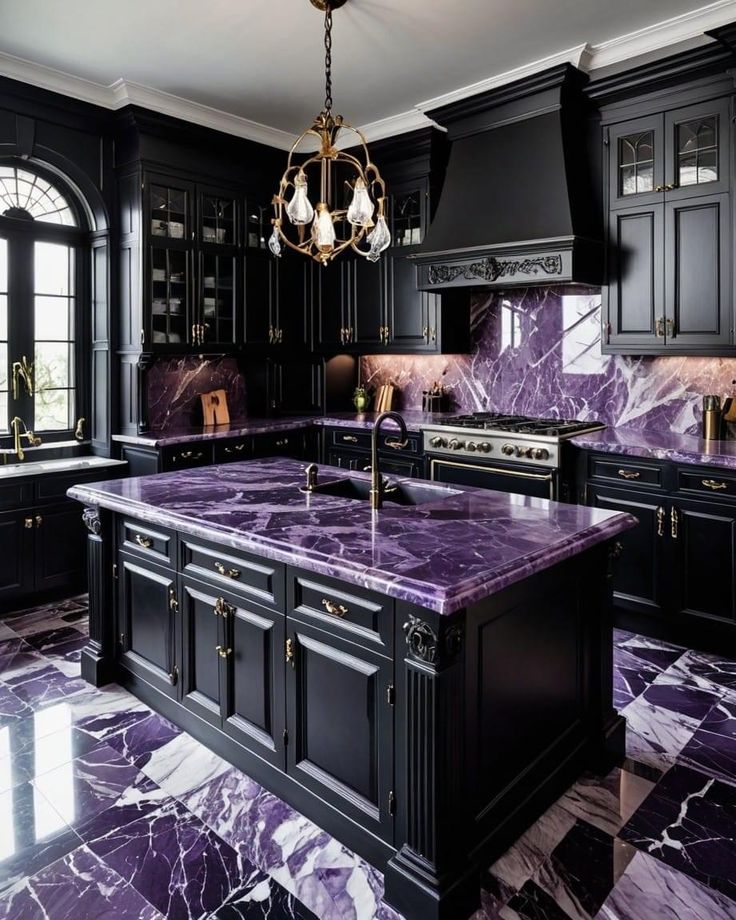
<point x="510" y="453"/>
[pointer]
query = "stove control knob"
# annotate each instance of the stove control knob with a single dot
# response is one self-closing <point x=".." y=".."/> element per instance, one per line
<point x="507" y="449"/>
<point x="523" y="451"/>
<point x="471" y="446"/>
<point x="540" y="453"/>
<point x="437" y="442"/>
<point x="455" y="444"/>
<point x="485" y="447"/>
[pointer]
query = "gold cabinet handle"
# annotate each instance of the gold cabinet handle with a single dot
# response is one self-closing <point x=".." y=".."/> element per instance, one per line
<point x="425" y="334"/>
<point x="223" y="652"/>
<point x="235" y="448"/>
<point x="174" y="676"/>
<point x="337" y="610"/>
<point x="629" y="474"/>
<point x="396" y="445"/>
<point x="282" y="443"/>
<point x="290" y="654"/>
<point x="28" y="523"/>
<point x="350" y="439"/>
<point x="190" y="455"/>
<point x="222" y="608"/>
<point x="39" y="520"/>
<point x="173" y="601"/>
<point x="145" y="542"/>
<point x="660" y="521"/>
<point x="714" y="484"/>
<point x="387" y="333"/>
<point x="270" y="335"/>
<point x="674" y="523"/>
<point x="659" y="328"/>
<point x="228" y="573"/>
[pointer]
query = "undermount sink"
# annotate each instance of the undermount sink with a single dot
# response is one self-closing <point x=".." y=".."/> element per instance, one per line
<point x="403" y="494"/>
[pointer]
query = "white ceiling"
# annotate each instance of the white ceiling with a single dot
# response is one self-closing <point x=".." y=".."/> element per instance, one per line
<point x="261" y="60"/>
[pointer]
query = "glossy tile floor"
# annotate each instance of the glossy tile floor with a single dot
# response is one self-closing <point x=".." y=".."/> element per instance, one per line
<point x="107" y="810"/>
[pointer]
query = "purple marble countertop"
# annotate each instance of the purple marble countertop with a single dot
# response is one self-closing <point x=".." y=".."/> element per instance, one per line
<point x="414" y="422"/>
<point x="660" y="445"/>
<point x="442" y="555"/>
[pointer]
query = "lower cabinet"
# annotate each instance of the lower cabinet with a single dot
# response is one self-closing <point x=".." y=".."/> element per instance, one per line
<point x="16" y="555"/>
<point x="677" y="571"/>
<point x="60" y="546"/>
<point x="350" y="449"/>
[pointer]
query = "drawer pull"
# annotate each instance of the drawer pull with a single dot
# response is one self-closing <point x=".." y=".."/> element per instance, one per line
<point x="675" y="523"/>
<point x="714" y="484"/>
<point x="282" y="443"/>
<point x="350" y="439"/>
<point x="174" y="676"/>
<point x="222" y="608"/>
<point x="629" y="474"/>
<point x="338" y="610"/>
<point x="228" y="573"/>
<point x="236" y="448"/>
<point x="145" y="542"/>
<point x="28" y="523"/>
<point x="173" y="601"/>
<point x="396" y="445"/>
<point x="290" y="655"/>
<point x="190" y="455"/>
<point x="223" y="652"/>
<point x="660" y="521"/>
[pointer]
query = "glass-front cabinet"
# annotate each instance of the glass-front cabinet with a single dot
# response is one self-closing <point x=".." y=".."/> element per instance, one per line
<point x="192" y="235"/>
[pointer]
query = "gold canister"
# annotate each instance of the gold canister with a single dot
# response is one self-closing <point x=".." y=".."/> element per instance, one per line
<point x="712" y="418"/>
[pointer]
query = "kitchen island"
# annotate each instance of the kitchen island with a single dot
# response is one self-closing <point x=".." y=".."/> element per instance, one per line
<point x="421" y="681"/>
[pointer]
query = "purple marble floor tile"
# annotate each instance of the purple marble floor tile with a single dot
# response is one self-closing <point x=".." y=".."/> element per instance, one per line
<point x="177" y="863"/>
<point x="77" y="887"/>
<point x="47" y="641"/>
<point x="17" y="657"/>
<point x="12" y="707"/>
<point x="651" y="889"/>
<point x="261" y="898"/>
<point x="138" y="740"/>
<point x="720" y="671"/>
<point x="629" y="683"/>
<point x="533" y="903"/>
<point x="654" y="736"/>
<point x="44" y="686"/>
<point x="688" y="823"/>
<point x="33" y="834"/>
<point x="607" y="802"/>
<point x="685" y="698"/>
<point x="712" y="753"/>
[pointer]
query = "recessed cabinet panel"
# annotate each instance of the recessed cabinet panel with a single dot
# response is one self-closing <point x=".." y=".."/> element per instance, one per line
<point x="203" y="641"/>
<point x="16" y="554"/>
<point x="698" y="150"/>
<point x="697" y="250"/>
<point x="60" y="546"/>
<point x="636" y="282"/>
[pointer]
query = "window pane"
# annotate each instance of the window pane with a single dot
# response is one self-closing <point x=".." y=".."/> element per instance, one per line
<point x="53" y="269"/>
<point x="3" y="266"/>
<point x="3" y="318"/>
<point x="25" y="194"/>
<point x="52" y="318"/>
<point x="54" y="410"/>
<point x="52" y="365"/>
<point x="3" y="366"/>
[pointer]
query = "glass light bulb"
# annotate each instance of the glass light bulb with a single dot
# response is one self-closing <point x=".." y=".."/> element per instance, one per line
<point x="379" y="239"/>
<point x="360" y="212"/>
<point x="323" y="230"/>
<point x="274" y="242"/>
<point x="299" y="209"/>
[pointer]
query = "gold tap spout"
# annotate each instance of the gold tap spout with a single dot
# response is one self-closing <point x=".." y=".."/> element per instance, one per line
<point x="22" y="370"/>
<point x="18" y="435"/>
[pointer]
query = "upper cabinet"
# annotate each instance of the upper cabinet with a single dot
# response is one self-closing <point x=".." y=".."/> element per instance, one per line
<point x="670" y="239"/>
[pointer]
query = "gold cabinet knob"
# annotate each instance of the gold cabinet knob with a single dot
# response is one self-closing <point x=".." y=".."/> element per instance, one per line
<point x="145" y="542"/>
<point x="223" y="652"/>
<point x="337" y="610"/>
<point x="224" y="570"/>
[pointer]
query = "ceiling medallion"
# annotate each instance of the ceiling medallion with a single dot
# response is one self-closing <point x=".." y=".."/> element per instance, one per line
<point x="336" y="173"/>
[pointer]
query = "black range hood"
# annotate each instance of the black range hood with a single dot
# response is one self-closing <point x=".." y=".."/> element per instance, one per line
<point x="518" y="205"/>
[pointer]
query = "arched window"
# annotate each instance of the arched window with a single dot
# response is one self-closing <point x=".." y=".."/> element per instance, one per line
<point x="43" y="260"/>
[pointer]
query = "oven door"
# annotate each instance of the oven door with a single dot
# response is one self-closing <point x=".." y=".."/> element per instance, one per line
<point x="537" y="482"/>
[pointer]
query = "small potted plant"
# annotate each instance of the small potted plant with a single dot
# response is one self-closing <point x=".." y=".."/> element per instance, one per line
<point x="361" y="399"/>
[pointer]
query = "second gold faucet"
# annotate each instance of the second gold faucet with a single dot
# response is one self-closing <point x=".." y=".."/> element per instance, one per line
<point x="18" y="435"/>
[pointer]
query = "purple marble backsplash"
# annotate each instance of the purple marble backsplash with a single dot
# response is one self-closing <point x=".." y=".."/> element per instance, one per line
<point x="537" y="351"/>
<point x="175" y="385"/>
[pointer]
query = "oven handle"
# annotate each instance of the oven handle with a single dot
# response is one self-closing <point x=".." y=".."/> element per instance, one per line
<point x="548" y="477"/>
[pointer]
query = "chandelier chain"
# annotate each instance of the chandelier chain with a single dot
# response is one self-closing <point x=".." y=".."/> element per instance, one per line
<point x="328" y="60"/>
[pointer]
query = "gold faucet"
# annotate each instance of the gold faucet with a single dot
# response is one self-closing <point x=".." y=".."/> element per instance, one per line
<point x="22" y="370"/>
<point x="311" y="472"/>
<point x="18" y="435"/>
<point x="378" y="485"/>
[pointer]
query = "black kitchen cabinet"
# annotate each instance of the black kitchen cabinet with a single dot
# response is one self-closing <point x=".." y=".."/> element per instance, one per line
<point x="338" y="690"/>
<point x="677" y="574"/>
<point x="148" y="622"/>
<point x="59" y="546"/>
<point x="350" y="449"/>
<point x="204" y="649"/>
<point x="669" y="231"/>
<point x="16" y="555"/>
<point x="298" y="386"/>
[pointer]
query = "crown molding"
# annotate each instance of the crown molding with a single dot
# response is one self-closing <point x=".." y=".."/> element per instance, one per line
<point x="662" y="35"/>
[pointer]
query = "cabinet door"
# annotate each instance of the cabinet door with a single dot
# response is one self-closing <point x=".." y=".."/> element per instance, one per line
<point x="412" y="314"/>
<point x="253" y="708"/>
<point x="169" y="211"/>
<point x="218" y="297"/>
<point x="340" y="724"/>
<point x="294" y="301"/>
<point x="697" y="262"/>
<point x="635" y="276"/>
<point x="260" y="294"/>
<point x="61" y="547"/>
<point x="279" y="444"/>
<point x="638" y="581"/>
<point x="400" y="466"/>
<point x="169" y="303"/>
<point x="202" y="642"/>
<point x="703" y="540"/>
<point x="298" y="387"/>
<point x="218" y="217"/>
<point x="636" y="158"/>
<point x="333" y="287"/>
<point x="367" y="295"/>
<point x="16" y="555"/>
<point x="698" y="142"/>
<point x="148" y="623"/>
<point x="348" y="460"/>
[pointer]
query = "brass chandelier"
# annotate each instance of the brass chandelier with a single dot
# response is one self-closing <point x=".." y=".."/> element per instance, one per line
<point x="333" y="229"/>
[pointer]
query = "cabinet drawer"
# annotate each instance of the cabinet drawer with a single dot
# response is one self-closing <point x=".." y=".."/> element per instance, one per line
<point x="622" y="471"/>
<point x="252" y="576"/>
<point x="51" y="487"/>
<point x="228" y="451"/>
<point x="357" y="615"/>
<point x="16" y="495"/>
<point x="147" y="541"/>
<point x="361" y="440"/>
<point x="713" y="483"/>
<point x="279" y="444"/>
<point x="344" y="437"/>
<point x="186" y="456"/>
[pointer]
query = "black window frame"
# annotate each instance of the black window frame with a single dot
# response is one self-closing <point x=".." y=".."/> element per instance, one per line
<point x="21" y="235"/>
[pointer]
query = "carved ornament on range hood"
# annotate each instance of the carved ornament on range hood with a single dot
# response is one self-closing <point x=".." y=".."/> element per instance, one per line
<point x="518" y="205"/>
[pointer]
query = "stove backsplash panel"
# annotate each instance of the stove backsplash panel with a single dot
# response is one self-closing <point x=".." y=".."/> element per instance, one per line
<point x="174" y="386"/>
<point x="537" y="351"/>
